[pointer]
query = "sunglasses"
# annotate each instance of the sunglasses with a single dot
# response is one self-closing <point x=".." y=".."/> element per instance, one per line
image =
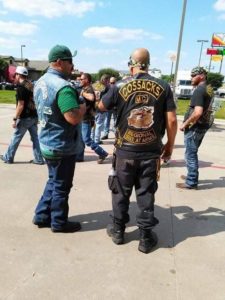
<point x="70" y="61"/>
<point x="112" y="82"/>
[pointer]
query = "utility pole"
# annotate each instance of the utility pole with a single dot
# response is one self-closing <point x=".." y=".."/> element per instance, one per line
<point x="201" y="41"/>
<point x="179" y="45"/>
<point x="21" y="50"/>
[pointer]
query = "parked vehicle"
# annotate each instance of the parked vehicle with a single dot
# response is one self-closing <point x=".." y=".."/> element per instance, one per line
<point x="7" y="86"/>
<point x="183" y="88"/>
<point x="220" y="92"/>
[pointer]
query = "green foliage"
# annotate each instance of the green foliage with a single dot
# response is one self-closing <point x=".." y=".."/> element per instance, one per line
<point x="110" y="72"/>
<point x="94" y="77"/>
<point x="215" y="79"/>
<point x="166" y="78"/>
<point x="3" y="66"/>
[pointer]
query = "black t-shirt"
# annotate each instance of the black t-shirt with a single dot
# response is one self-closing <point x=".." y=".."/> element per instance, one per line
<point x="26" y="94"/>
<point x="202" y="96"/>
<point x="90" y="105"/>
<point x="141" y="102"/>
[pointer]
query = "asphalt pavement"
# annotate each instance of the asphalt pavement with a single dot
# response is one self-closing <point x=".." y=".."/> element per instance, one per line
<point x="188" y="262"/>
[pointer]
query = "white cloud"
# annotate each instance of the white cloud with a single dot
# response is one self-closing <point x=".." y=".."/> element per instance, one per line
<point x="8" y="43"/>
<point x="219" y="5"/>
<point x="49" y="8"/>
<point x="15" y="28"/>
<point x="108" y="34"/>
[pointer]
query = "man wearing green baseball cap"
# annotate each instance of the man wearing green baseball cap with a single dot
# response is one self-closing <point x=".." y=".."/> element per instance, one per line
<point x="59" y="113"/>
<point x="60" y="52"/>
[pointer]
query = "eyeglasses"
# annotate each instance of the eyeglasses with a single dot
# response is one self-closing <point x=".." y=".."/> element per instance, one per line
<point x="112" y="82"/>
<point x="70" y="61"/>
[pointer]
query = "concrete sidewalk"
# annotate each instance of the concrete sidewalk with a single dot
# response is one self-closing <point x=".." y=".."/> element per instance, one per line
<point x="188" y="262"/>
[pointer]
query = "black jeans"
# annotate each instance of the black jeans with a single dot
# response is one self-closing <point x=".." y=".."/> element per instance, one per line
<point x="141" y="174"/>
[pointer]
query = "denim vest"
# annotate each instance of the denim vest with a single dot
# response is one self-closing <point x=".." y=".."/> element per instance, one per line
<point x="56" y="134"/>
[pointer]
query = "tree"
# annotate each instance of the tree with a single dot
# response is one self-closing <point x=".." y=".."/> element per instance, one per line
<point x="110" y="72"/>
<point x="215" y="80"/>
<point x="3" y="66"/>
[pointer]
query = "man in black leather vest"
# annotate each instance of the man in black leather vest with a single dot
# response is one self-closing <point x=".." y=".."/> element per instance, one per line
<point x="145" y="108"/>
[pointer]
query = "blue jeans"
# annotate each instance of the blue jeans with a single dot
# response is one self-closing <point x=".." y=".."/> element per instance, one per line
<point x="53" y="206"/>
<point x="99" y="125"/>
<point x="192" y="141"/>
<point x="23" y="125"/>
<point x="86" y="135"/>
<point x="109" y="115"/>
<point x="81" y="145"/>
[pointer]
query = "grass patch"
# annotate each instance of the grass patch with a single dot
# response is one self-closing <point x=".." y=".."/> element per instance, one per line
<point x="7" y="96"/>
<point x="182" y="105"/>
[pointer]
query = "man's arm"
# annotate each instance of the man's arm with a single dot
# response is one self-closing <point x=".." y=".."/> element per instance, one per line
<point x="101" y="106"/>
<point x="69" y="106"/>
<point x="87" y="95"/>
<point x="171" y="129"/>
<point x="74" y="116"/>
<point x="198" y="111"/>
<point x="19" y="109"/>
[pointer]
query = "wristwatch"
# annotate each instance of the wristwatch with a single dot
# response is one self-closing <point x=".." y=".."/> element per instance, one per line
<point x="14" y="119"/>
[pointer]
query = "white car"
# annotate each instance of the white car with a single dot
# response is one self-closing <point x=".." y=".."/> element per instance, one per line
<point x="221" y="92"/>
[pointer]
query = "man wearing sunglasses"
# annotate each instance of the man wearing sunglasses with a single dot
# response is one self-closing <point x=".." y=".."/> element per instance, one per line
<point x="145" y="107"/>
<point x="198" y="119"/>
<point x="59" y="114"/>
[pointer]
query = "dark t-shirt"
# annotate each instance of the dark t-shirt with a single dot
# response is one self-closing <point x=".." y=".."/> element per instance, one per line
<point x="26" y="95"/>
<point x="90" y="105"/>
<point x="141" y="102"/>
<point x="202" y="96"/>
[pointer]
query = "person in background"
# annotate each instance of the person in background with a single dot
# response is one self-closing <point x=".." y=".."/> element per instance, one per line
<point x="109" y="115"/>
<point x="25" y="119"/>
<point x="100" y="116"/>
<point x="59" y="114"/>
<point x="88" y="96"/>
<point x="196" y="122"/>
<point x="143" y="102"/>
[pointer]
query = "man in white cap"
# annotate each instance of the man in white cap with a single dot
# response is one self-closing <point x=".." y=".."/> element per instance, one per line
<point x="25" y="119"/>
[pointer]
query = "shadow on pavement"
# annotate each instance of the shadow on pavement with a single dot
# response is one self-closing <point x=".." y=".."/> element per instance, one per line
<point x="181" y="163"/>
<point x="176" y="223"/>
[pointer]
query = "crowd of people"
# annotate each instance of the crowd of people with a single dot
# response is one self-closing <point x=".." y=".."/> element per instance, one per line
<point x="72" y="117"/>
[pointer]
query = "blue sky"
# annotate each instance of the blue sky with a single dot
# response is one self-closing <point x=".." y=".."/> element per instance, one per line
<point x="106" y="32"/>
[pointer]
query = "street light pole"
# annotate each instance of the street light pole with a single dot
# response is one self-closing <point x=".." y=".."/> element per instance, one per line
<point x="179" y="45"/>
<point x="201" y="41"/>
<point x="21" y="49"/>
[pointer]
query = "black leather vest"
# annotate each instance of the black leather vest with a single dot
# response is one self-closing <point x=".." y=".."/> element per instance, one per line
<point x="141" y="113"/>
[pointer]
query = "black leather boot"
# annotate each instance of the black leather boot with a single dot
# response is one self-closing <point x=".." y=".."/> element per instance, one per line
<point x="148" y="240"/>
<point x="116" y="232"/>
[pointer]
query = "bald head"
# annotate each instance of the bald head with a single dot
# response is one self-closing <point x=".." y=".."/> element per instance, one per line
<point x="140" y="58"/>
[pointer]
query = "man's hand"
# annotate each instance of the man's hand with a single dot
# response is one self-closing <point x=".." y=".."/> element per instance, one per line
<point x="166" y="151"/>
<point x="14" y="124"/>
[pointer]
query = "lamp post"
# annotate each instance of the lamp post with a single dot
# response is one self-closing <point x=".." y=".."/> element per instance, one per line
<point x="21" y="49"/>
<point x="172" y="57"/>
<point x="201" y="41"/>
<point x="179" y="45"/>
